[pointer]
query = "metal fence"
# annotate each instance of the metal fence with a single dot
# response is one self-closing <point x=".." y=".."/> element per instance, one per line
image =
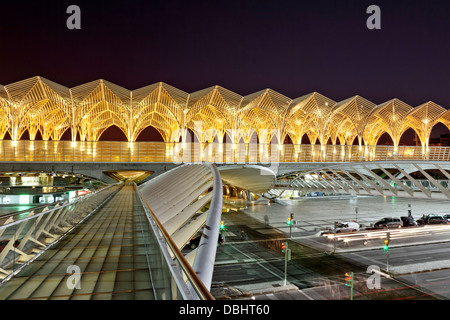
<point x="116" y="151"/>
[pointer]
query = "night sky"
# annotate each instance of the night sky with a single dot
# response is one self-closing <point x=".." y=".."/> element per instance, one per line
<point x="292" y="47"/>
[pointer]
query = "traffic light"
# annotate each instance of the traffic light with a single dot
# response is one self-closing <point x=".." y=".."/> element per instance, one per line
<point x="283" y="247"/>
<point x="222" y="225"/>
<point x="349" y="279"/>
<point x="386" y="243"/>
<point x="349" y="282"/>
<point x="290" y="218"/>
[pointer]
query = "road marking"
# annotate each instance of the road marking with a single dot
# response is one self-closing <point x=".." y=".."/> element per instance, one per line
<point x="271" y="296"/>
<point x="437" y="279"/>
<point x="234" y="261"/>
<point x="302" y="292"/>
<point x="415" y="259"/>
<point x="241" y="261"/>
<point x="258" y="263"/>
<point x="369" y="259"/>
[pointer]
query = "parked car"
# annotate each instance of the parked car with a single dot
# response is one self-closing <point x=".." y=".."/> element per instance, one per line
<point x="194" y="242"/>
<point x="432" y="219"/>
<point x="4" y="242"/>
<point x="389" y="223"/>
<point x="408" y="221"/>
<point x="342" y="227"/>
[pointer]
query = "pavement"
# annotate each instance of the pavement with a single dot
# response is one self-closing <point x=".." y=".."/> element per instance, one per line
<point x="269" y="222"/>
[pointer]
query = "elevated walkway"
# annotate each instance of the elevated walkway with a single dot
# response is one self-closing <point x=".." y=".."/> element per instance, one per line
<point x="120" y="242"/>
<point x="108" y="249"/>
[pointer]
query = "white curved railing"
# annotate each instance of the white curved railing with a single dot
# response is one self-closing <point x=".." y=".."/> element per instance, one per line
<point x="175" y="202"/>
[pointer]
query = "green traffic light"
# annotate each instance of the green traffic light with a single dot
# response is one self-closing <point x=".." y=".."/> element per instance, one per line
<point x="290" y="218"/>
<point x="386" y="245"/>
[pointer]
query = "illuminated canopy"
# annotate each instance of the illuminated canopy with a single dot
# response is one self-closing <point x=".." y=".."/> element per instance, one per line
<point x="213" y="114"/>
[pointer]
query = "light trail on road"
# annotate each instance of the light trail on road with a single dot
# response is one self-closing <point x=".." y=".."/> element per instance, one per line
<point x="400" y="233"/>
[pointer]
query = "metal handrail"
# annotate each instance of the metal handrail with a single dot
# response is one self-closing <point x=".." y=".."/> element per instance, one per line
<point x="53" y="204"/>
<point x="180" y="152"/>
<point x="60" y="236"/>
<point x="197" y="284"/>
<point x="45" y="225"/>
<point x="63" y="203"/>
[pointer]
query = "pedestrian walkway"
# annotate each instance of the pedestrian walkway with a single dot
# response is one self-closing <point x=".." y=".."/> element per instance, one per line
<point x="107" y="249"/>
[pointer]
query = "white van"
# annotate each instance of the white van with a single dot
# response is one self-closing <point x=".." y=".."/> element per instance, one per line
<point x="347" y="227"/>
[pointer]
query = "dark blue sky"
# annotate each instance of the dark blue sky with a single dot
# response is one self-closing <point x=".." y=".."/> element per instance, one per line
<point x="293" y="47"/>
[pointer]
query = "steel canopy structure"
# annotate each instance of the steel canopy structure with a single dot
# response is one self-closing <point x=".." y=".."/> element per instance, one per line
<point x="212" y="114"/>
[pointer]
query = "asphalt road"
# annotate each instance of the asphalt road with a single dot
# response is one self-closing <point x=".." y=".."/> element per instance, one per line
<point x="425" y="267"/>
<point x="255" y="268"/>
